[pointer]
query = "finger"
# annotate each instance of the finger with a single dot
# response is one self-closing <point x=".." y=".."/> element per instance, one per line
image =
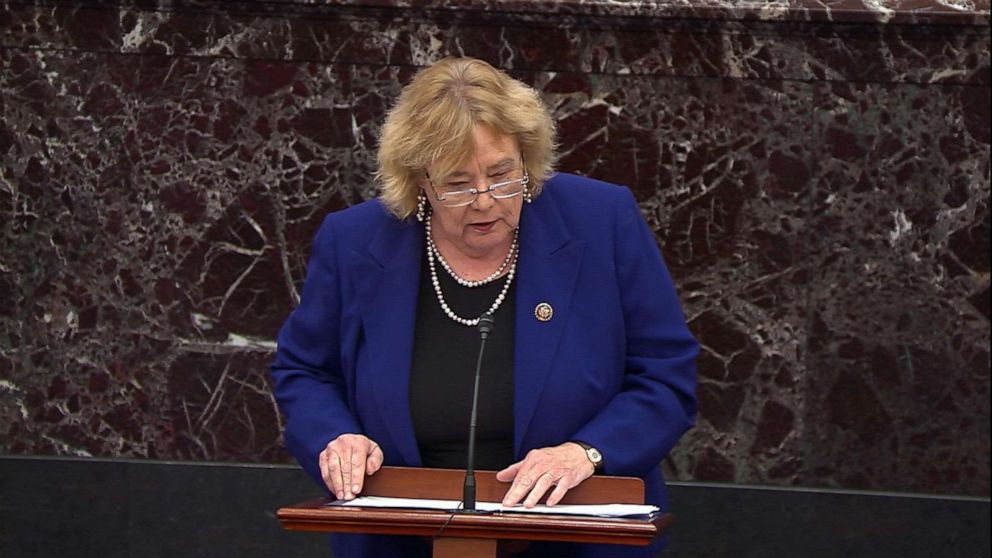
<point x="375" y="460"/>
<point x="544" y="482"/>
<point x="561" y="488"/>
<point x="334" y="471"/>
<point x="357" y="471"/>
<point x="508" y="474"/>
<point x="520" y="487"/>
<point x="325" y="474"/>
<point x="346" y="471"/>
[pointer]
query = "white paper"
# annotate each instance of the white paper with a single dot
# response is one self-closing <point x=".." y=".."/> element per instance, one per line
<point x="601" y="510"/>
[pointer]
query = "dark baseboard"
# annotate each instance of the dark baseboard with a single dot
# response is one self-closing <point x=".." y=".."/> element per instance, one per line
<point x="103" y="508"/>
<point x="760" y="522"/>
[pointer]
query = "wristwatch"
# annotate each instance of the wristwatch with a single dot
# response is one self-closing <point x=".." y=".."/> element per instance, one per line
<point x="593" y="454"/>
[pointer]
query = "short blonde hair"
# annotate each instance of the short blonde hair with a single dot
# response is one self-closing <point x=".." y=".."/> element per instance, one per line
<point x="434" y="119"/>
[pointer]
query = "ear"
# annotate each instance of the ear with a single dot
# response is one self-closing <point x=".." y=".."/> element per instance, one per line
<point x="423" y="180"/>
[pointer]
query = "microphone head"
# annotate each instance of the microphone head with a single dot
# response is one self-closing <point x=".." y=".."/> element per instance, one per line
<point x="486" y="324"/>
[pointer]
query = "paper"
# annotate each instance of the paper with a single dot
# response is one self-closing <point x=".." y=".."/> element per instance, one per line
<point x="600" y="510"/>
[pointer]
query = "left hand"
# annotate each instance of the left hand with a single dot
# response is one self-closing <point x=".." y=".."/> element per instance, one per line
<point x="563" y="467"/>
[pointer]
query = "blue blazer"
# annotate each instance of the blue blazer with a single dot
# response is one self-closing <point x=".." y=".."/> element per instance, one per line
<point x="614" y="367"/>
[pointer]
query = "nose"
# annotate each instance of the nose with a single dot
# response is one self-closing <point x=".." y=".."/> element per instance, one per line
<point x="484" y="198"/>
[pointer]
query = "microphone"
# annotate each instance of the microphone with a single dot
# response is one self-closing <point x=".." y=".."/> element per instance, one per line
<point x="486" y="323"/>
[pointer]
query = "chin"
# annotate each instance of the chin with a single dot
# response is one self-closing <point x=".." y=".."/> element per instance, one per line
<point x="484" y="242"/>
<point x="494" y="239"/>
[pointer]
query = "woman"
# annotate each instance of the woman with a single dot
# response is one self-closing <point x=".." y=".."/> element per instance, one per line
<point x="590" y="367"/>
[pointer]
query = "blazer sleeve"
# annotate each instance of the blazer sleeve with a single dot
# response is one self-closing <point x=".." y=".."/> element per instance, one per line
<point x="308" y="383"/>
<point x="657" y="401"/>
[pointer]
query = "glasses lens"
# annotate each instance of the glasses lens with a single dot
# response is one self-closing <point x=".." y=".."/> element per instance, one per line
<point x="508" y="189"/>
<point x="457" y="199"/>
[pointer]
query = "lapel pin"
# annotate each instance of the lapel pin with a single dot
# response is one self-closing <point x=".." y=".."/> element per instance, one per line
<point x="543" y="312"/>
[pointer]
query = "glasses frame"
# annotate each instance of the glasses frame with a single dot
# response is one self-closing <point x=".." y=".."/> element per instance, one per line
<point x="491" y="189"/>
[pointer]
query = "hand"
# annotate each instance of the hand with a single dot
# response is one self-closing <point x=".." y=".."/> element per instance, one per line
<point x="563" y="467"/>
<point x="345" y="462"/>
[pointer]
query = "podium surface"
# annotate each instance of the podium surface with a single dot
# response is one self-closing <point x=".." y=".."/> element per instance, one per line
<point x="468" y="535"/>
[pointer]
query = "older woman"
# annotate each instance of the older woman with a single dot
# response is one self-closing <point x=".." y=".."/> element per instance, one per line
<point x="590" y="367"/>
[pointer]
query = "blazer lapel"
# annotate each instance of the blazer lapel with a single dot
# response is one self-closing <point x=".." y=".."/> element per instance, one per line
<point x="387" y="295"/>
<point x="548" y="269"/>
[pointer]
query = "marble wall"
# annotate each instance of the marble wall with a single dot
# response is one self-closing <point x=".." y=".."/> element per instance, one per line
<point x="818" y="181"/>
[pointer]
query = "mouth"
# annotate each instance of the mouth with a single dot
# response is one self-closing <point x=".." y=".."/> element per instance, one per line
<point x="483" y="227"/>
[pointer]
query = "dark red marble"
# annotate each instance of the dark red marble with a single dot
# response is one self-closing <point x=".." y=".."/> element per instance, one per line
<point x="818" y="180"/>
<point x="901" y="350"/>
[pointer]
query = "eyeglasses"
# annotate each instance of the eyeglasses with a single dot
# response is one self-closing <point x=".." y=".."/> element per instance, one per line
<point x="500" y="191"/>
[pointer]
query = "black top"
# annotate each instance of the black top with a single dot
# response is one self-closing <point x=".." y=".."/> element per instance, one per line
<point x="442" y="375"/>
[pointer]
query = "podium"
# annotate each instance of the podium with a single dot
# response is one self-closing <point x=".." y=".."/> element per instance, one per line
<point x="469" y="535"/>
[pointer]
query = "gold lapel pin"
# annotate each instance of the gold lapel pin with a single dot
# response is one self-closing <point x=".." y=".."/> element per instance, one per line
<point x="543" y="311"/>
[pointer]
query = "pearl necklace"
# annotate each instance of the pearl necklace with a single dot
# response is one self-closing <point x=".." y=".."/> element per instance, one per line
<point x="432" y="247"/>
<point x="432" y="251"/>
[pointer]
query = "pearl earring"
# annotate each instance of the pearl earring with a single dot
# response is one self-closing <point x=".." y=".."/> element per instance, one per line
<point x="421" y="206"/>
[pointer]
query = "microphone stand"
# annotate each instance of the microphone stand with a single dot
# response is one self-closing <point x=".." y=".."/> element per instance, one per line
<point x="486" y="323"/>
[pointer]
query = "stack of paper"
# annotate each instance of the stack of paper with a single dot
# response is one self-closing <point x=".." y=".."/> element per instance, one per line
<point x="600" y="510"/>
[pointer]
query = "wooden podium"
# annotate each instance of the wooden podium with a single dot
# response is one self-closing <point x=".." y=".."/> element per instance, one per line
<point x="466" y="535"/>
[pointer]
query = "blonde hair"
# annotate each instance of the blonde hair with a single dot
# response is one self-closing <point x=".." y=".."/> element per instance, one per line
<point x="433" y="121"/>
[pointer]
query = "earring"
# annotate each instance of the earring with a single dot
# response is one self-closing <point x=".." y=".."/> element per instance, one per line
<point x="421" y="206"/>
<point x="527" y="197"/>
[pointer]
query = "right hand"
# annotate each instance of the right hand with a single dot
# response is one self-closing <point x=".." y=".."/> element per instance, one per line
<point x="345" y="462"/>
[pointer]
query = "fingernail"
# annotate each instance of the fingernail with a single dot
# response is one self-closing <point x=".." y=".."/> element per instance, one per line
<point x="340" y="495"/>
<point x="354" y="488"/>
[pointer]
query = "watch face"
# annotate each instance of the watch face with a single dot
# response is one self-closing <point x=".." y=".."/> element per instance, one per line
<point x="594" y="455"/>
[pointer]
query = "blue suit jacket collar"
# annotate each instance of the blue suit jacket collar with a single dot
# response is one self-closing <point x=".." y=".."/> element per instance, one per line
<point x="388" y="282"/>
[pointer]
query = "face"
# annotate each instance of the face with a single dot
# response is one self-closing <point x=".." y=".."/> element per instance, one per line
<point x="485" y="227"/>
